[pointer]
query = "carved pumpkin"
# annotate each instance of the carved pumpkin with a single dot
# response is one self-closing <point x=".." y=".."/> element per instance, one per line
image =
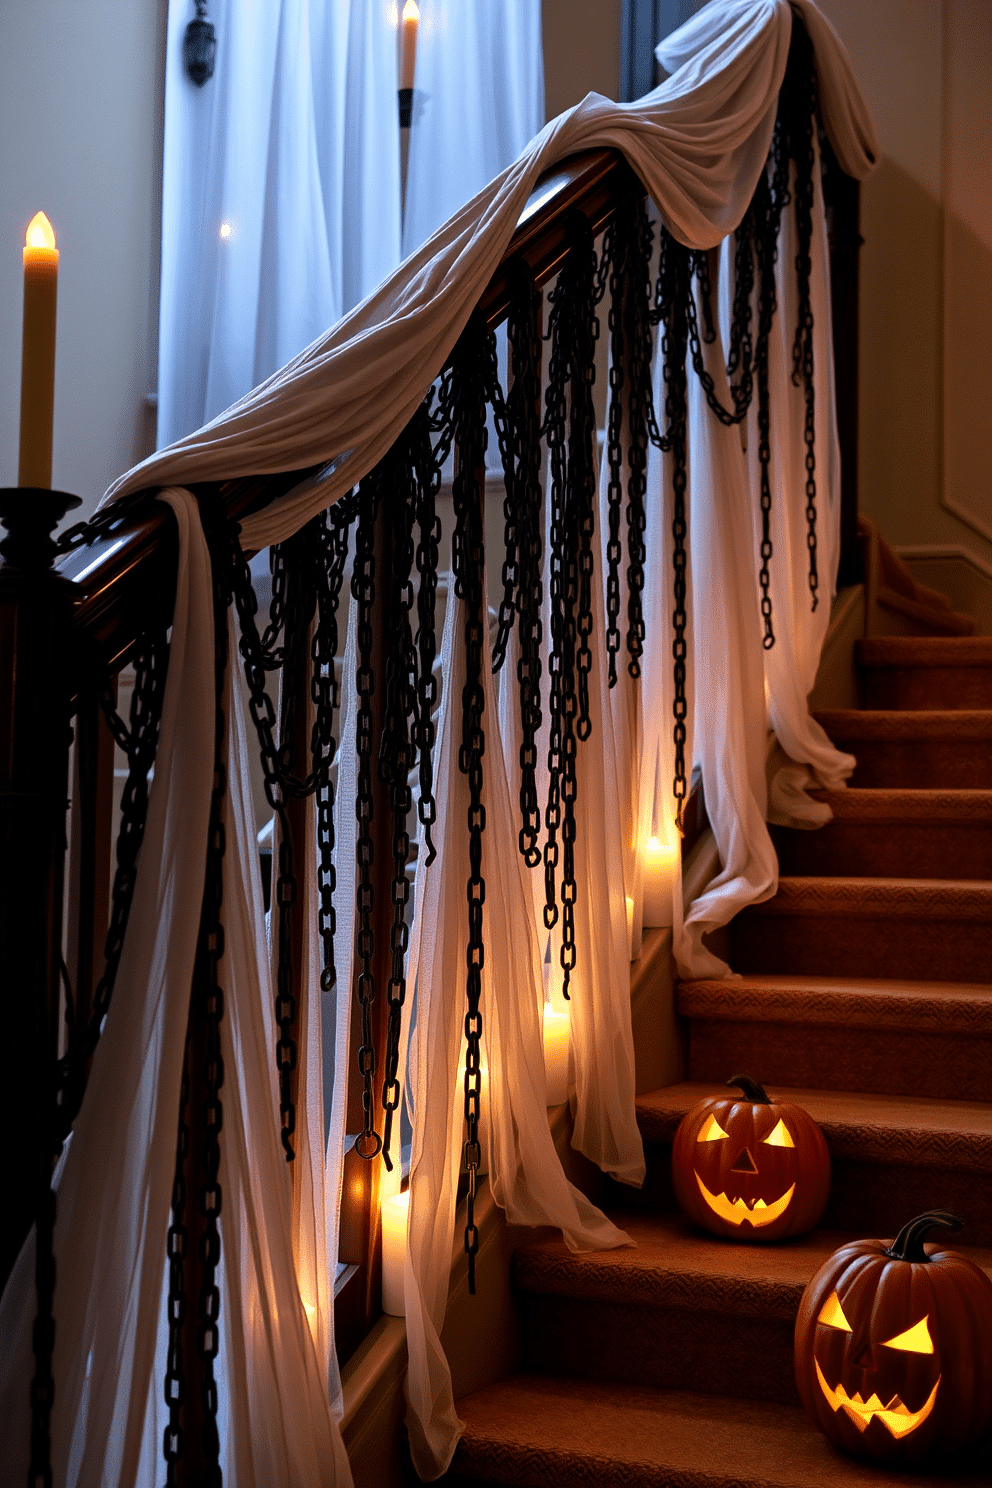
<point x="895" y="1360"/>
<point x="751" y="1168"/>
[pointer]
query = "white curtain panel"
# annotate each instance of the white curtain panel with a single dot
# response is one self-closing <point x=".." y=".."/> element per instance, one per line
<point x="478" y="102"/>
<point x="269" y="231"/>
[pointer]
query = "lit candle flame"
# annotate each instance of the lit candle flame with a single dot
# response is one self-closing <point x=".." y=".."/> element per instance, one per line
<point x="40" y="233"/>
<point x="225" y="229"/>
<point x="411" y="12"/>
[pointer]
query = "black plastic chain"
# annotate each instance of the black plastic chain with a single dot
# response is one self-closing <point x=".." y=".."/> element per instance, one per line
<point x="672" y="295"/>
<point x="396" y="753"/>
<point x="524" y="414"/>
<point x="368" y="1143"/>
<point x="570" y="429"/>
<point x="333" y="543"/>
<point x="428" y="474"/>
<point x="177" y="1246"/>
<point x="473" y="349"/>
<point x="139" y="742"/>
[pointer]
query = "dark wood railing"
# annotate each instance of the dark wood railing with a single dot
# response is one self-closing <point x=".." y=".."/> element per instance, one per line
<point x="122" y="588"/>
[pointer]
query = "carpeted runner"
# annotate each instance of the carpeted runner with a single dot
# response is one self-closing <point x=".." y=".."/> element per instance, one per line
<point x="866" y="996"/>
<point x="934" y="1038"/>
<point x="915" y="749"/>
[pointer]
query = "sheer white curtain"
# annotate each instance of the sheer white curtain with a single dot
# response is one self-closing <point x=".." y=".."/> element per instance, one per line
<point x="478" y="101"/>
<point x="281" y="192"/>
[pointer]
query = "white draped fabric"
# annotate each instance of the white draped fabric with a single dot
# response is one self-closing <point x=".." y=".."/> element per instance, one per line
<point x="479" y="100"/>
<point x="269" y="233"/>
<point x="525" y="1172"/>
<point x="699" y="142"/>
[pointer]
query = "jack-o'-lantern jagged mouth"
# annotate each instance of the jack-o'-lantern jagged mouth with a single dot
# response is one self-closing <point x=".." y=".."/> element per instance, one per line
<point x="736" y="1211"/>
<point x="895" y="1416"/>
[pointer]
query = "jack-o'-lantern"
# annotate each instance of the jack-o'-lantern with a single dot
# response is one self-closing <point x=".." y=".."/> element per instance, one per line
<point x="753" y="1168"/>
<point x="894" y="1346"/>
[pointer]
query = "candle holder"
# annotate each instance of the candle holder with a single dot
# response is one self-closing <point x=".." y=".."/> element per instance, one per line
<point x="406" y="107"/>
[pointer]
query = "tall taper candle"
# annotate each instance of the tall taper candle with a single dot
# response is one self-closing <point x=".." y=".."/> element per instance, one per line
<point x="41" y="282"/>
<point x="409" y="26"/>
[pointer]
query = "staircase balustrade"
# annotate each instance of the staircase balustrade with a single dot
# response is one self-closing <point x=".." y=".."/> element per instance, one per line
<point x="125" y="583"/>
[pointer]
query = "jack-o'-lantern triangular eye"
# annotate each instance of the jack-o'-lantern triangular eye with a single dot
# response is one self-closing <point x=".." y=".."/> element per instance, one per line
<point x="779" y="1137"/>
<point x="832" y="1314"/>
<point x="712" y="1131"/>
<point x="915" y="1340"/>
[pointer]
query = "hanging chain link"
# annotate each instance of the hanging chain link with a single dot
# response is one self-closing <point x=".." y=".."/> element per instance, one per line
<point x="524" y="414"/>
<point x="177" y="1246"/>
<point x="470" y="436"/>
<point x="368" y="1143"/>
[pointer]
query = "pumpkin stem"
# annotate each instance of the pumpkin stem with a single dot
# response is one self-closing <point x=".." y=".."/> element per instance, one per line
<point x="908" y="1244"/>
<point x="752" y="1090"/>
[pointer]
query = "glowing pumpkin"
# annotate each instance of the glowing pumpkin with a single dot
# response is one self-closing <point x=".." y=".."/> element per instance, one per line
<point x="894" y="1361"/>
<point x="751" y="1168"/>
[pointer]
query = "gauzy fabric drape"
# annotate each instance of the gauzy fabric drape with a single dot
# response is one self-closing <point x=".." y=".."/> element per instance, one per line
<point x="269" y="231"/>
<point x="478" y="102"/>
<point x="525" y="1171"/>
<point x="698" y="142"/>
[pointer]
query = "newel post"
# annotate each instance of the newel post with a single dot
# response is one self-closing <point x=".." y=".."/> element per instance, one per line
<point x="36" y="689"/>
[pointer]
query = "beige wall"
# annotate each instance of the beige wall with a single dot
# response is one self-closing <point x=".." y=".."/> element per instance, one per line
<point x="81" y="100"/>
<point x="926" y="288"/>
<point x="581" y="51"/>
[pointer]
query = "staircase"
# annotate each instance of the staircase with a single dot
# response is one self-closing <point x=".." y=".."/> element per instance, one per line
<point x="866" y="996"/>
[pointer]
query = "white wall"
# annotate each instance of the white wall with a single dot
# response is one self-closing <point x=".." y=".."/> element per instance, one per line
<point x="81" y="102"/>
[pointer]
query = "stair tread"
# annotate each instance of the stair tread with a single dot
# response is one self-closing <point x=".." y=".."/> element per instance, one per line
<point x="888" y="1004"/>
<point x="539" y="1430"/>
<point x="676" y="1265"/>
<point x="861" y="1126"/>
<point x="901" y="803"/>
<point x="925" y="651"/>
<point x="863" y="897"/>
<point x="906" y="724"/>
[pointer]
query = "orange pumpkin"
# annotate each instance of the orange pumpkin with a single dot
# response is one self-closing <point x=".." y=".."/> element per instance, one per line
<point x="751" y="1169"/>
<point x="894" y="1346"/>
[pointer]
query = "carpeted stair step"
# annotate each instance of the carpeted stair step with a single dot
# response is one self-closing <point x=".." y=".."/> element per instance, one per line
<point x="884" y="833"/>
<point x="683" y="1310"/>
<point x="919" y="929"/>
<point x="892" y="1156"/>
<point x="896" y="1038"/>
<point x="926" y="671"/>
<point x="564" y="1433"/>
<point x="949" y="748"/>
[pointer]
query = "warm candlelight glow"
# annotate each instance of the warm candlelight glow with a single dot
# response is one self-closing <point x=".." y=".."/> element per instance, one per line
<point x="225" y="230"/>
<point x="660" y="865"/>
<point x="395" y="1216"/>
<point x="411" y="12"/>
<point x="41" y="282"/>
<point x="557" y="1029"/>
<point x="40" y="233"/>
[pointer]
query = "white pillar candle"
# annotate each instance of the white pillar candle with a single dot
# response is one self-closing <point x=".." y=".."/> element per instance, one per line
<point x="660" y="863"/>
<point x="556" y="1036"/>
<point x="395" y="1214"/>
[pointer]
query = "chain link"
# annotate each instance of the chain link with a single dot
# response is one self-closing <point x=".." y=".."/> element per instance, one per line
<point x="473" y="349"/>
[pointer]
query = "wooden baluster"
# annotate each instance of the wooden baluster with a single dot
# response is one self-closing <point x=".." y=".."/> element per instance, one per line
<point x="842" y="202"/>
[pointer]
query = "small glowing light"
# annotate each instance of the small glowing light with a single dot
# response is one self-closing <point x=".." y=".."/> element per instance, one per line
<point x="832" y="1314"/>
<point x="225" y="230"/>
<point x="393" y="16"/>
<point x="411" y="12"/>
<point x="40" y="233"/>
<point x="654" y="846"/>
